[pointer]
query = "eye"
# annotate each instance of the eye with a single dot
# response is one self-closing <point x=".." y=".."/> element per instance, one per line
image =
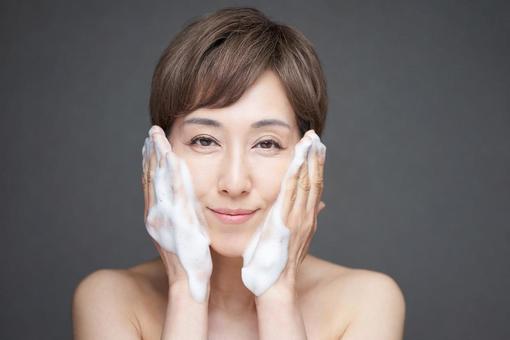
<point x="267" y="143"/>
<point x="202" y="141"/>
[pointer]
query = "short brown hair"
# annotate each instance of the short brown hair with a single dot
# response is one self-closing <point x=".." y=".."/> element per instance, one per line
<point x="216" y="57"/>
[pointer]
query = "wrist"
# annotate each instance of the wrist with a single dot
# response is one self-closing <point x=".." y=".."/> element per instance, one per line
<point x="185" y="317"/>
<point x="280" y="292"/>
<point x="180" y="291"/>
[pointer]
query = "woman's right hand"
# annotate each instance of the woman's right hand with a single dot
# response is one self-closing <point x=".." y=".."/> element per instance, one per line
<point x="172" y="216"/>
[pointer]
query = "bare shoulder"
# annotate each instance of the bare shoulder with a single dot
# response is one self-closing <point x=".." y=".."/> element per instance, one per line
<point x="104" y="303"/>
<point x="370" y="289"/>
<point x="352" y="283"/>
<point x="363" y="303"/>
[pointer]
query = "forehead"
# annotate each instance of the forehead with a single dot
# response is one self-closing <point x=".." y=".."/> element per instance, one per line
<point x="265" y="100"/>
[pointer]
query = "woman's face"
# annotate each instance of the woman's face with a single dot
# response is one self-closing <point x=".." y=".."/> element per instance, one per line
<point x="236" y="163"/>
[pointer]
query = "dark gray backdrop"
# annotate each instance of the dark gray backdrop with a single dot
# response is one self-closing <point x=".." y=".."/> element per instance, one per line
<point x="418" y="169"/>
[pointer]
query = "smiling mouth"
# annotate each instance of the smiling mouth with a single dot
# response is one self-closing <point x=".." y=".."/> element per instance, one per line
<point x="233" y="216"/>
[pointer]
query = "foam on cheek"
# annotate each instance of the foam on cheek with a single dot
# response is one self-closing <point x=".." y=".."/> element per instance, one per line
<point x="266" y="255"/>
<point x="175" y="220"/>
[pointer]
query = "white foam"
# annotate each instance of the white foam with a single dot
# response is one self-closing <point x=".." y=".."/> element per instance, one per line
<point x="266" y="255"/>
<point x="175" y="221"/>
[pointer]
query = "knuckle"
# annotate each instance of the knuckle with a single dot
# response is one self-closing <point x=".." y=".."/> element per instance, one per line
<point x="304" y="184"/>
<point x="318" y="184"/>
<point x="319" y="176"/>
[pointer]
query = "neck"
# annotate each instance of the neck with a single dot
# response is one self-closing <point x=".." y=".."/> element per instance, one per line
<point x="227" y="291"/>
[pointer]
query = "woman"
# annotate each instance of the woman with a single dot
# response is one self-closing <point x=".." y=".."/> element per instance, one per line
<point x="232" y="96"/>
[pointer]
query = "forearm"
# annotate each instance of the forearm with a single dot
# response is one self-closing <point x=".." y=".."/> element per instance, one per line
<point x="185" y="318"/>
<point x="279" y="316"/>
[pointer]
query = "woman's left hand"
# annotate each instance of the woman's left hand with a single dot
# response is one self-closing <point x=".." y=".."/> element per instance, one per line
<point x="301" y="206"/>
<point x="291" y="222"/>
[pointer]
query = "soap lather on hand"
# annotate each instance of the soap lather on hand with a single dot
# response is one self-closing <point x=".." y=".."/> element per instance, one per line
<point x="173" y="218"/>
<point x="281" y="241"/>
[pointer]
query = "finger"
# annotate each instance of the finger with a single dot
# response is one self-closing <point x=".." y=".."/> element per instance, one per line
<point x="289" y="188"/>
<point x="145" y="166"/>
<point x="322" y="162"/>
<point x="176" y="181"/>
<point x="145" y="208"/>
<point x="179" y="195"/>
<point x="162" y="146"/>
<point x="316" y="180"/>
<point x="289" y="193"/>
<point x="187" y="191"/>
<point x="156" y="128"/>
<point x="303" y="188"/>
<point x="151" y="195"/>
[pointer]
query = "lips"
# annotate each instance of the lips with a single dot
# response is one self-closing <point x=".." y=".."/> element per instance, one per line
<point x="233" y="216"/>
<point x="233" y="211"/>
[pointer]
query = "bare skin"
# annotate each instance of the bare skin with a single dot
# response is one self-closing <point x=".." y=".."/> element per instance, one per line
<point x="334" y="302"/>
<point x="317" y="300"/>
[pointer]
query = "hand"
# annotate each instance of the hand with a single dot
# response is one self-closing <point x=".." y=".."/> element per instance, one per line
<point x="281" y="243"/>
<point x="173" y="217"/>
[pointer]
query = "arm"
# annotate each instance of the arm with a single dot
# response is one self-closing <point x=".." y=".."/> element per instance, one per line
<point x="279" y="316"/>
<point x="185" y="318"/>
<point x="175" y="226"/>
<point x="297" y="206"/>
<point x="103" y="301"/>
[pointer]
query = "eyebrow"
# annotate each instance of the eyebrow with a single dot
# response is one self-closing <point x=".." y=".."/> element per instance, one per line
<point x="256" y="125"/>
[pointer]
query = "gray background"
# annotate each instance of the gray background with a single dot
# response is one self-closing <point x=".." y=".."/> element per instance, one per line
<point x="418" y="169"/>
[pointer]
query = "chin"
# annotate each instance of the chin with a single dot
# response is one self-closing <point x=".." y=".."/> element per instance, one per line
<point x="230" y="246"/>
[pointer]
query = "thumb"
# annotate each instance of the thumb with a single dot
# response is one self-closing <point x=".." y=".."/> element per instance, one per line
<point x="322" y="205"/>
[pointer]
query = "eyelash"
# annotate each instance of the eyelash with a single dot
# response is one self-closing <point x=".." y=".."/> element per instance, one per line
<point x="275" y="143"/>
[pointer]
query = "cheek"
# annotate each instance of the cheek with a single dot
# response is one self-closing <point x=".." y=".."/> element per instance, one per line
<point x="267" y="176"/>
<point x="202" y="170"/>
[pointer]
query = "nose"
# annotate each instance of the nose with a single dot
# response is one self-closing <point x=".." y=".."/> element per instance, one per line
<point x="235" y="177"/>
